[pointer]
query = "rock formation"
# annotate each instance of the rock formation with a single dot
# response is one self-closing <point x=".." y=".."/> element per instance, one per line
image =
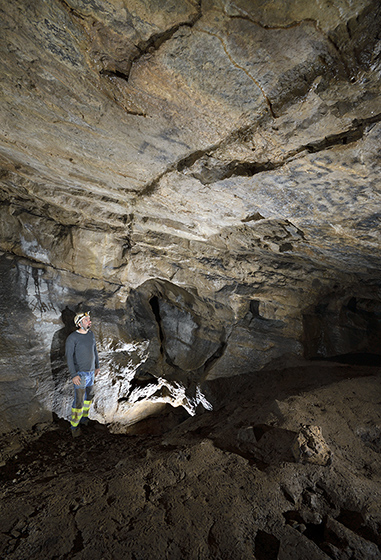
<point x="224" y="484"/>
<point x="202" y="176"/>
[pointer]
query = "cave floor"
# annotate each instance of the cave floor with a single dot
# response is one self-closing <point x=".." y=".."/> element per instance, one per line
<point x="225" y="484"/>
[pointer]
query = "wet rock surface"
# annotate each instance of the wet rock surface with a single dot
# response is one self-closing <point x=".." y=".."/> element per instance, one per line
<point x="208" y="487"/>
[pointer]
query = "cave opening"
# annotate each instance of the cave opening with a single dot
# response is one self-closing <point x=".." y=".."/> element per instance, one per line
<point x="344" y="329"/>
<point x="353" y="359"/>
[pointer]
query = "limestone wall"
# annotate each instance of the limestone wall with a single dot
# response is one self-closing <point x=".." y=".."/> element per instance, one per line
<point x="203" y="176"/>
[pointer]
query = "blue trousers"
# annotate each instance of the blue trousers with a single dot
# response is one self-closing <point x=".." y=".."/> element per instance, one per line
<point x="83" y="396"/>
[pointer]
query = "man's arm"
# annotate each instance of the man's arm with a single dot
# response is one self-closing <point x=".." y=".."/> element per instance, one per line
<point x="70" y="348"/>
<point x="97" y="369"/>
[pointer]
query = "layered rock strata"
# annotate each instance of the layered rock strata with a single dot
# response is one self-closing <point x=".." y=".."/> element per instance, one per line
<point x="203" y="176"/>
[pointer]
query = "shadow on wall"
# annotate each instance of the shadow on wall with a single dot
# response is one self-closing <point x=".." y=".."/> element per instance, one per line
<point x="60" y="371"/>
<point x="342" y="327"/>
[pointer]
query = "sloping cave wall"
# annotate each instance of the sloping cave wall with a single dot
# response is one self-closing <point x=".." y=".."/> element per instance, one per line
<point x="202" y="176"/>
<point x="158" y="344"/>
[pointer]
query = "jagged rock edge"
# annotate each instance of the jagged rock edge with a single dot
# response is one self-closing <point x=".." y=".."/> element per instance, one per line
<point x="237" y="169"/>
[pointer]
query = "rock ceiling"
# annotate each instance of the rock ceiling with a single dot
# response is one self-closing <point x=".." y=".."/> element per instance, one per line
<point x="211" y="167"/>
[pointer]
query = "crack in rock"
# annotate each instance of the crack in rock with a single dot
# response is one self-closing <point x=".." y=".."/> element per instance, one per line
<point x="235" y="168"/>
<point x="141" y="47"/>
<point x="265" y="96"/>
<point x="306" y="21"/>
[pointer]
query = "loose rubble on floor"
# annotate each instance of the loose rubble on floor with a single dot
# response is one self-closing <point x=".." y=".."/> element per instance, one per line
<point x="287" y="467"/>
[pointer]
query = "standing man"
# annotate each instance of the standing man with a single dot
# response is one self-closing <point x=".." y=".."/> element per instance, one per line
<point x="83" y="362"/>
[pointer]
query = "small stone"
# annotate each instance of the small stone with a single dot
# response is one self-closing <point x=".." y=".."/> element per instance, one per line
<point x="310" y="447"/>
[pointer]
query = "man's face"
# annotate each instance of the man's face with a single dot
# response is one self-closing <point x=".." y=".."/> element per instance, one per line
<point x="86" y="323"/>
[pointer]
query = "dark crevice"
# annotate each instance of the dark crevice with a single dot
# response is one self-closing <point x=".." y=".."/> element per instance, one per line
<point x="78" y="546"/>
<point x="147" y="491"/>
<point x="151" y="187"/>
<point x="142" y="47"/>
<point x="256" y="217"/>
<point x="212" y="542"/>
<point x="155" y="306"/>
<point x="260" y="430"/>
<point x="78" y="543"/>
<point x="163" y="352"/>
<point x="180" y="166"/>
<point x="155" y="41"/>
<point x="325" y="533"/>
<point x="353" y="359"/>
<point x="354" y="521"/>
<point x="153" y="44"/>
<point x="245" y="169"/>
<point x="71" y="10"/>
<point x="190" y="160"/>
<point x="254" y="307"/>
<point x="343" y="138"/>
<point x="271" y="108"/>
<point x="116" y="73"/>
<point x="315" y="532"/>
<point x="266" y="546"/>
<point x="143" y="380"/>
<point x="289" y="497"/>
<point x="236" y="169"/>
<point x="214" y="357"/>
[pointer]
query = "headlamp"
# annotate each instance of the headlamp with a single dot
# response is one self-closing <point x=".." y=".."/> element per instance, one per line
<point x="78" y="318"/>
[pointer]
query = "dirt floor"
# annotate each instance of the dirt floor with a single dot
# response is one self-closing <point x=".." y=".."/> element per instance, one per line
<point x="239" y="482"/>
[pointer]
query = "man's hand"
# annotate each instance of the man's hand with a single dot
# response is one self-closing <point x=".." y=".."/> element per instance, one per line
<point x="76" y="380"/>
<point x="96" y="372"/>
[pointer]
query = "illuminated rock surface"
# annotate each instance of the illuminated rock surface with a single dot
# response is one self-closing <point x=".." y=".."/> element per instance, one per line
<point x="203" y="177"/>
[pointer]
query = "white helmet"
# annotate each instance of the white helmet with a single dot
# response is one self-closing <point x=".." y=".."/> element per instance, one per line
<point x="78" y="318"/>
